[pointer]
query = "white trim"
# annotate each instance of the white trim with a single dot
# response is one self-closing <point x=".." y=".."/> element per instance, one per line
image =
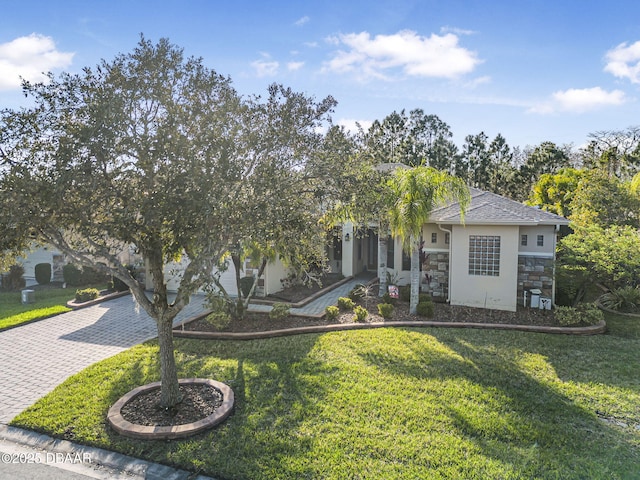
<point x="536" y="254"/>
<point x="435" y="250"/>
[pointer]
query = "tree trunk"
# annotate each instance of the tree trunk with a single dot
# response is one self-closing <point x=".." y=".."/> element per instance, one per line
<point x="382" y="262"/>
<point x="169" y="390"/>
<point x="415" y="276"/>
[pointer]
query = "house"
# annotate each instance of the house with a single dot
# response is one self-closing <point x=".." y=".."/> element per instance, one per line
<point x="493" y="259"/>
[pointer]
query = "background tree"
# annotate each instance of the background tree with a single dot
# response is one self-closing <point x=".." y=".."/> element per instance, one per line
<point x="616" y="152"/>
<point x="157" y="151"/>
<point x="554" y="192"/>
<point x="415" y="192"/>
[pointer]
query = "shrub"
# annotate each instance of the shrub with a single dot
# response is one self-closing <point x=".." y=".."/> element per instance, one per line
<point x="72" y="275"/>
<point x="345" y="303"/>
<point x="118" y="285"/>
<point x="219" y="320"/>
<point x="14" y="279"/>
<point x="583" y="314"/>
<point x="386" y="298"/>
<point x="424" y="297"/>
<point x="279" y="311"/>
<point x="361" y="313"/>
<point x="332" y="312"/>
<point x="404" y="292"/>
<point x="87" y="294"/>
<point x="245" y="285"/>
<point x="425" y="309"/>
<point x="91" y="276"/>
<point x="385" y="310"/>
<point x="624" y="299"/>
<point x="43" y="273"/>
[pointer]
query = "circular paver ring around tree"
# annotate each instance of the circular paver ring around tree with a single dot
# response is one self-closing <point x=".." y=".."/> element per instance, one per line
<point x="153" y="432"/>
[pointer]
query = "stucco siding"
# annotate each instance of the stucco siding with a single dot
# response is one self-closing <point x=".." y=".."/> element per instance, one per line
<point x="547" y="232"/>
<point x="484" y="291"/>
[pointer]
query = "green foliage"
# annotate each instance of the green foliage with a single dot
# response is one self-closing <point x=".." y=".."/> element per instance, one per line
<point x="624" y="299"/>
<point x="610" y="256"/>
<point x="279" y="311"/>
<point x="554" y="192"/>
<point x="425" y="309"/>
<point x="386" y="298"/>
<point x="43" y="273"/>
<point x="404" y="292"/>
<point x="72" y="275"/>
<point x="87" y="294"/>
<point x="14" y="279"/>
<point x="385" y="310"/>
<point x="219" y="320"/>
<point x="361" y="313"/>
<point x="345" y="303"/>
<point x="583" y="314"/>
<point x="332" y="312"/>
<point x="424" y="298"/>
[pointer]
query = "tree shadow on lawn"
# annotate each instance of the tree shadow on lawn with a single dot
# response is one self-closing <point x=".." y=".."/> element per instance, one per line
<point x="506" y="402"/>
<point x="276" y="385"/>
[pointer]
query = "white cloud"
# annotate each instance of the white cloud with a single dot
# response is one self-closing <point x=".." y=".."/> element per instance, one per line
<point x="352" y="125"/>
<point x="265" y="67"/>
<point x="624" y="61"/>
<point x="294" y="66"/>
<point x="435" y="56"/>
<point x="302" y="21"/>
<point x="579" y="100"/>
<point x="29" y="58"/>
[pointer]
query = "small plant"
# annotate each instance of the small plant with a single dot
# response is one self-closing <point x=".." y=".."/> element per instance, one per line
<point x="332" y="312"/>
<point x="13" y="280"/>
<point x="218" y="320"/>
<point x="624" y="299"/>
<point x="87" y="295"/>
<point x="43" y="273"/>
<point x="361" y="313"/>
<point x="405" y="293"/>
<point x="345" y="303"/>
<point x="583" y="314"/>
<point x="279" y="311"/>
<point x="425" y="309"/>
<point x="424" y="297"/>
<point x="386" y="298"/>
<point x="385" y="310"/>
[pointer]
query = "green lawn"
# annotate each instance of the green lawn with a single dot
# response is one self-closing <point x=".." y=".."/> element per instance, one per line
<point x="48" y="303"/>
<point x="387" y="404"/>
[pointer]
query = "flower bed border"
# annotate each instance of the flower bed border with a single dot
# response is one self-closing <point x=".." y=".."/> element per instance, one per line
<point x="72" y="304"/>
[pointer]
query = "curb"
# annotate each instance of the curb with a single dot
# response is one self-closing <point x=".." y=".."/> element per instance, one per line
<point x="98" y="457"/>
<point x="111" y="296"/>
<point x="590" y="330"/>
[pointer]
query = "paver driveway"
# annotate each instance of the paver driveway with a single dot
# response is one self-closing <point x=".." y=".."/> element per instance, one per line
<point x="37" y="357"/>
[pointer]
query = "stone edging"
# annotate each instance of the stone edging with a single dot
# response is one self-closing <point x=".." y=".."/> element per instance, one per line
<point x="77" y="306"/>
<point x="608" y="310"/>
<point x="590" y="330"/>
<point x="306" y="301"/>
<point x="152" y="432"/>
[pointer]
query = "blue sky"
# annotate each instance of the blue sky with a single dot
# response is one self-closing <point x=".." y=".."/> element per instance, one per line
<point x="533" y="71"/>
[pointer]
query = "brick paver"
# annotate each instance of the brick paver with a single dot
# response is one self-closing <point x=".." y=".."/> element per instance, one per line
<point x="37" y="357"/>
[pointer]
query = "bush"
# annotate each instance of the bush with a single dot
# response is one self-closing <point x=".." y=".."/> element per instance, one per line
<point x="345" y="303"/>
<point x="624" y="299"/>
<point x="404" y="293"/>
<point x="118" y="285"/>
<point x="14" y="279"/>
<point x="583" y="314"/>
<point x="279" y="311"/>
<point x="72" y="275"/>
<point x="425" y="309"/>
<point x="332" y="312"/>
<point x="424" y="297"/>
<point x="43" y="273"/>
<point x="385" y="310"/>
<point x="87" y="294"/>
<point x="386" y="298"/>
<point x="218" y="320"/>
<point x="245" y="285"/>
<point x="361" y="313"/>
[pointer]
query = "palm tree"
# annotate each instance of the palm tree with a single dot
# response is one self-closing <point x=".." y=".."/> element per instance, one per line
<point x="416" y="192"/>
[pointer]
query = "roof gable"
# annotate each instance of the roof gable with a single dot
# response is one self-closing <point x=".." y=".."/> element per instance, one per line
<point x="492" y="209"/>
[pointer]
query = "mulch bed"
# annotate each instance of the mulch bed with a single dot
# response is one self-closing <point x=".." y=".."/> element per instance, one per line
<point x="198" y="402"/>
<point x="297" y="293"/>
<point x="258" y="322"/>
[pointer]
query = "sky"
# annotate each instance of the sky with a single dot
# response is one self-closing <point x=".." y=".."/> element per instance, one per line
<point x="532" y="71"/>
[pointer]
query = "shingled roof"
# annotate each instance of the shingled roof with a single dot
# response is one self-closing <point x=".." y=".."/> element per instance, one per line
<point x="491" y="209"/>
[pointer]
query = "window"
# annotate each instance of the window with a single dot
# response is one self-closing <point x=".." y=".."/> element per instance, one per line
<point x="524" y="240"/>
<point x="434" y="238"/>
<point x="446" y="238"/>
<point x="390" y="252"/>
<point x="484" y="255"/>
<point x="541" y="240"/>
<point x="406" y="261"/>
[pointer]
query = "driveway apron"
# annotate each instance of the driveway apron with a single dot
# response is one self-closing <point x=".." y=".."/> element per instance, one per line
<point x="36" y="357"/>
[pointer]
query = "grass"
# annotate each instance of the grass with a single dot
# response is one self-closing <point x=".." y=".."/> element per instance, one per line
<point x="49" y="302"/>
<point x="386" y="403"/>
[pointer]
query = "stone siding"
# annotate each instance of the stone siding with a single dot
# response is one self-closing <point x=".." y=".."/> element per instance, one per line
<point x="435" y="275"/>
<point x="535" y="272"/>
